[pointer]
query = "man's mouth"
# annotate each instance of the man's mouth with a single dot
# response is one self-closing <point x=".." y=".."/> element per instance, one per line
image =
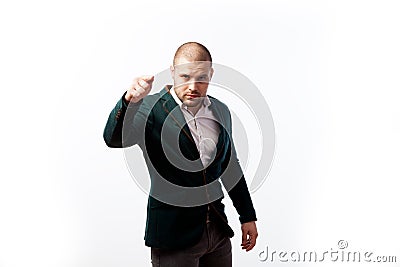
<point x="192" y="95"/>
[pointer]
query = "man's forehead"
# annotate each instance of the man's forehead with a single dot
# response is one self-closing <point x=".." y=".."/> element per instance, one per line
<point x="198" y="66"/>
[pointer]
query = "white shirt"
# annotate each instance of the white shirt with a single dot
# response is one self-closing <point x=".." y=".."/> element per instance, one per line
<point x="203" y="127"/>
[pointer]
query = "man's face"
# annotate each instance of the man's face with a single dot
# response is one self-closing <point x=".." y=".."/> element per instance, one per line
<point x="191" y="80"/>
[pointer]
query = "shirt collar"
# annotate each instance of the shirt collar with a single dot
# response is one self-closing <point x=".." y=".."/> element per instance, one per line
<point x="206" y="99"/>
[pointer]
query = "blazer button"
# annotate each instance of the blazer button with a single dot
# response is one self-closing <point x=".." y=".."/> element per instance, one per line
<point x="118" y="115"/>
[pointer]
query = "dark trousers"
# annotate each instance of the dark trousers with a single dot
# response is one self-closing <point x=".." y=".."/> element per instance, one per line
<point x="213" y="250"/>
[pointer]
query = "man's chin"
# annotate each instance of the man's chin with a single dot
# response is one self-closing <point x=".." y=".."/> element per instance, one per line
<point x="192" y="102"/>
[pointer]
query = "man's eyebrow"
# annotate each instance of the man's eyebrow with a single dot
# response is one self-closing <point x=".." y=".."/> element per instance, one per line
<point x="185" y="73"/>
<point x="202" y="75"/>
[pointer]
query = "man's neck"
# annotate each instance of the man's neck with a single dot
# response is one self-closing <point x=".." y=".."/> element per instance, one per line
<point x="194" y="109"/>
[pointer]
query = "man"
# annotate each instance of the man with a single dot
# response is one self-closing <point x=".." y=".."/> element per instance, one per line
<point x="185" y="136"/>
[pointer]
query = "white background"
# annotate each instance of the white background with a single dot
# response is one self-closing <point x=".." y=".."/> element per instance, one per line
<point x="329" y="71"/>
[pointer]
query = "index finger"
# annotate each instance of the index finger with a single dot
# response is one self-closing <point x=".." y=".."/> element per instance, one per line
<point x="148" y="78"/>
<point x="252" y="244"/>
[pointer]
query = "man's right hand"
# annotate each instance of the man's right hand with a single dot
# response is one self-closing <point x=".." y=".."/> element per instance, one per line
<point x="140" y="87"/>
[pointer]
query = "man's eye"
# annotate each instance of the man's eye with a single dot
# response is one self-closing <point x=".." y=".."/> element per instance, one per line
<point x="185" y="76"/>
<point x="202" y="78"/>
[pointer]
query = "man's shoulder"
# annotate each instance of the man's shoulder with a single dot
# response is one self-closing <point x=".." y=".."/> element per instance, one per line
<point x="153" y="99"/>
<point x="221" y="105"/>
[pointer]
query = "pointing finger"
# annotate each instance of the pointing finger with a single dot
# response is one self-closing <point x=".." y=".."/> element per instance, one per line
<point x="148" y="78"/>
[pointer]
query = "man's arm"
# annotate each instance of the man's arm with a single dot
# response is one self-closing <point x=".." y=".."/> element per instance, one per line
<point x="239" y="193"/>
<point x="136" y="114"/>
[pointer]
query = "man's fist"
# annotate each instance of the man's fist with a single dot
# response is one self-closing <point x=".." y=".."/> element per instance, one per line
<point x="140" y="87"/>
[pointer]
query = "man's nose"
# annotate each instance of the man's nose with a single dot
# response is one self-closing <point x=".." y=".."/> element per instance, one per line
<point x="192" y="85"/>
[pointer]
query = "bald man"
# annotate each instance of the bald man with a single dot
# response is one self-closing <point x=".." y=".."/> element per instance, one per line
<point x="182" y="228"/>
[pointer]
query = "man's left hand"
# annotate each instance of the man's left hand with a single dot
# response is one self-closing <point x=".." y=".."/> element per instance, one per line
<point x="249" y="235"/>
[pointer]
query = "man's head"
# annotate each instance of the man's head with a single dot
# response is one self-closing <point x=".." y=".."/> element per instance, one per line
<point x="191" y="72"/>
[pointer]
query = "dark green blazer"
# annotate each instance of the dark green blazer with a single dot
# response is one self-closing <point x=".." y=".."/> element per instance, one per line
<point x="158" y="116"/>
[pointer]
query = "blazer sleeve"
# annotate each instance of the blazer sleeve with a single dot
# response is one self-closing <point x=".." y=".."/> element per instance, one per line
<point x="234" y="182"/>
<point x="126" y="123"/>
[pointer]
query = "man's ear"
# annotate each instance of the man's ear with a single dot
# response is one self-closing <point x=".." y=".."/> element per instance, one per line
<point x="172" y="70"/>
<point x="211" y="72"/>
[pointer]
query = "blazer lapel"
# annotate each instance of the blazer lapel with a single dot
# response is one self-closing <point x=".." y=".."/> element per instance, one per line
<point x="176" y="120"/>
<point x="221" y="119"/>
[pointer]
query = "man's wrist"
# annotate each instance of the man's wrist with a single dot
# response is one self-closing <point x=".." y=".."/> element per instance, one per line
<point x="245" y="219"/>
<point x="126" y="102"/>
